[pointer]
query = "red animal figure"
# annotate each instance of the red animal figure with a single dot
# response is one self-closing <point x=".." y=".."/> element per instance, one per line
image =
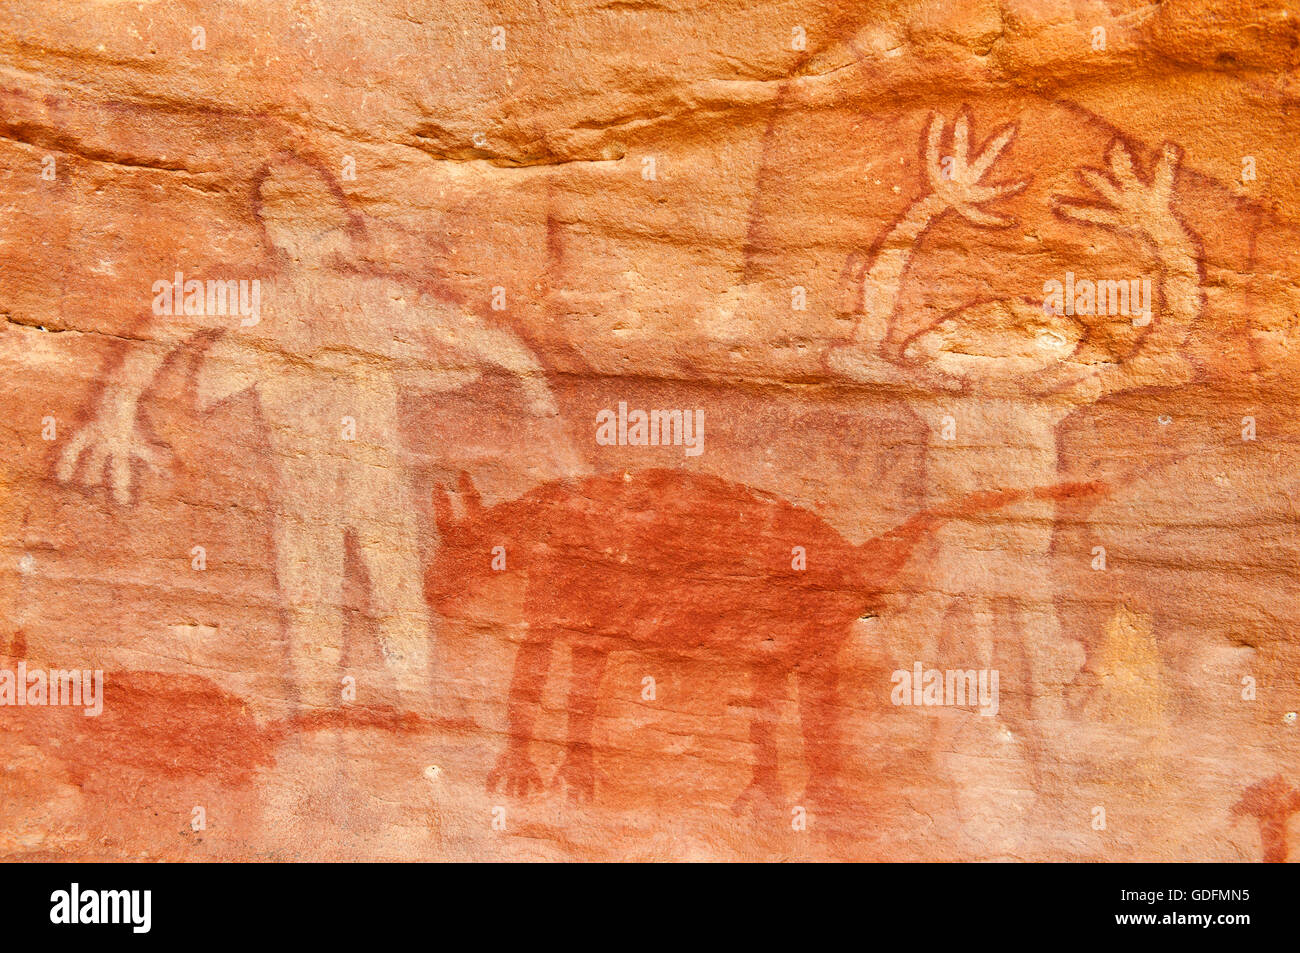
<point x="668" y="560"/>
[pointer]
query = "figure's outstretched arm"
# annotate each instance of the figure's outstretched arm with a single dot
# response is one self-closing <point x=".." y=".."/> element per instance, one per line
<point x="955" y="186"/>
<point x="105" y="448"/>
<point x="476" y="343"/>
<point x="1135" y="207"/>
<point x="504" y="349"/>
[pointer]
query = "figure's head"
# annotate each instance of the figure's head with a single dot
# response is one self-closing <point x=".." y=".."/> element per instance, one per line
<point x="1002" y="340"/>
<point x="304" y="214"/>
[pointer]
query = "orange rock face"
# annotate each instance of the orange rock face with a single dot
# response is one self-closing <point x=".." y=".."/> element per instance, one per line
<point x="797" y="431"/>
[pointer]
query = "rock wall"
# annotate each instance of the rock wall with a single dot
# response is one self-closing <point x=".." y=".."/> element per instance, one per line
<point x="629" y="430"/>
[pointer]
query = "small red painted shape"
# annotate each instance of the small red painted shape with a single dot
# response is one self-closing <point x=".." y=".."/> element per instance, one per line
<point x="1272" y="803"/>
<point x="158" y="726"/>
<point x="688" y="564"/>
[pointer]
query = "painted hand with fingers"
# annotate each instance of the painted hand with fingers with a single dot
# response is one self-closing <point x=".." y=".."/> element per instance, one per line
<point x="1128" y="203"/>
<point x="956" y="183"/>
<point x="956" y="179"/>
<point x="106" y="450"/>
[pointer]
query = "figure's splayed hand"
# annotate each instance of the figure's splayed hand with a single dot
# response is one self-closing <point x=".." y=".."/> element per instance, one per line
<point x="956" y="179"/>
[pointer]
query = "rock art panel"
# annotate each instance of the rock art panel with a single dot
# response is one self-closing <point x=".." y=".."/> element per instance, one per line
<point x="803" y="431"/>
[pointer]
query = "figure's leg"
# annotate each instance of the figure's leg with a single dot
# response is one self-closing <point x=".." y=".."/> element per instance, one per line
<point x="309" y="569"/>
<point x="300" y="793"/>
<point x="1009" y="656"/>
<point x="578" y="771"/>
<point x="1083" y="598"/>
<point x="384" y="523"/>
<point x="959" y="632"/>
<point x="1033" y="710"/>
<point x="1018" y="687"/>
<point x="1054" y="658"/>
<point x="984" y="750"/>
<point x="514" y="773"/>
<point x="768" y="690"/>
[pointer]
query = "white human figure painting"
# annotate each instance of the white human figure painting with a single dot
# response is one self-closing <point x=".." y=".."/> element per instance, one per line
<point x="995" y="379"/>
<point x="327" y="358"/>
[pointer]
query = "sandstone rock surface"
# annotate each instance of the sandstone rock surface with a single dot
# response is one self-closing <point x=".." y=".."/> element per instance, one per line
<point x="617" y="430"/>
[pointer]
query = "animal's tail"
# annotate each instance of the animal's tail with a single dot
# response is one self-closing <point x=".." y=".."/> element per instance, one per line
<point x="984" y="501"/>
<point x="887" y="553"/>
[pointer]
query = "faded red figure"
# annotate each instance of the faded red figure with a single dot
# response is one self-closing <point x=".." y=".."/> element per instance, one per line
<point x="739" y="577"/>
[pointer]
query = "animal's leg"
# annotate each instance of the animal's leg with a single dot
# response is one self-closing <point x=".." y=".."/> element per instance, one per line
<point x="820" y="718"/>
<point x="514" y="774"/>
<point x="765" y="787"/>
<point x="578" y="771"/>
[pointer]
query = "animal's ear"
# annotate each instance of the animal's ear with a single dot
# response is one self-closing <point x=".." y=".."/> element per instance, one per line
<point x="442" y="509"/>
<point x="469" y="496"/>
